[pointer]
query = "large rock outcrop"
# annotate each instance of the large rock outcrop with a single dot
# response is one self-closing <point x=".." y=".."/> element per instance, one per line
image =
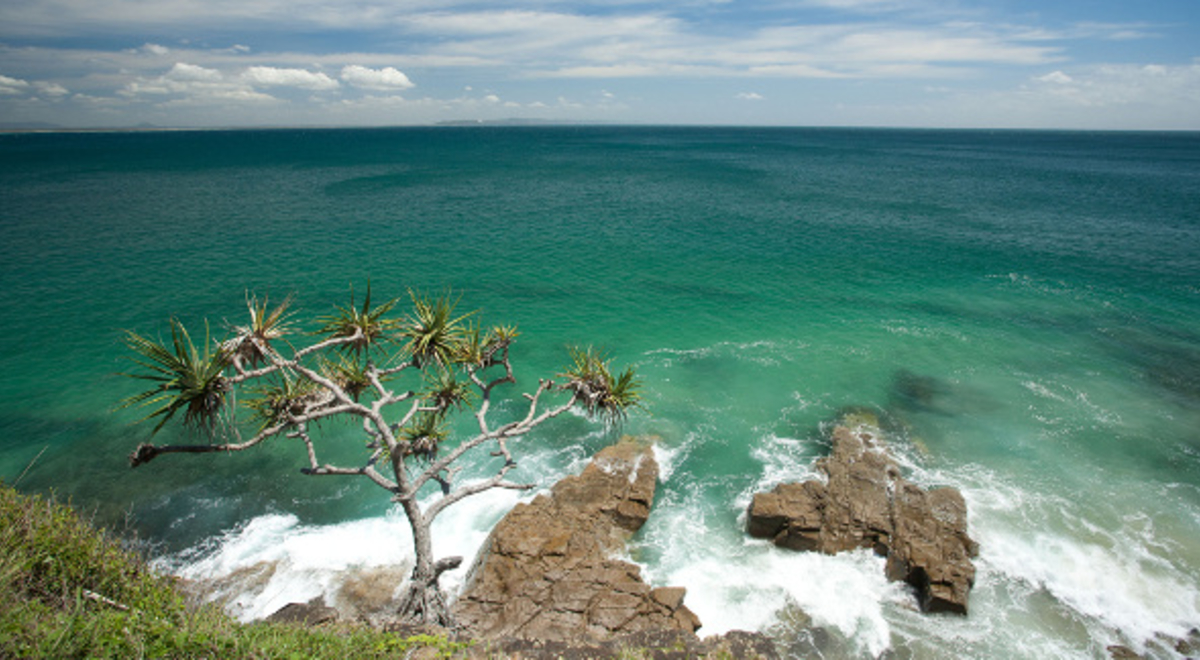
<point x="865" y="503"/>
<point x="548" y="572"/>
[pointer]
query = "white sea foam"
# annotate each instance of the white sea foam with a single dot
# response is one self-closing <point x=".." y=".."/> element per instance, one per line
<point x="763" y="353"/>
<point x="274" y="560"/>
<point x="668" y="458"/>
<point x="735" y="583"/>
<point x="783" y="459"/>
<point x="1121" y="590"/>
<point x="1118" y="578"/>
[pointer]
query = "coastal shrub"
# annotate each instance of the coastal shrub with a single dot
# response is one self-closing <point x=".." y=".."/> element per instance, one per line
<point x="68" y="590"/>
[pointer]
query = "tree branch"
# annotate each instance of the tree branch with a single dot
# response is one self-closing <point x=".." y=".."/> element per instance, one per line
<point x="146" y="452"/>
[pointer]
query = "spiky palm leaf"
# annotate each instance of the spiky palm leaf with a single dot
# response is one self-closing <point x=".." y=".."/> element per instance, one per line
<point x="443" y="391"/>
<point x="284" y="398"/>
<point x="370" y="325"/>
<point x="624" y="393"/>
<point x="252" y="343"/>
<point x="598" y="391"/>
<point x="432" y="334"/>
<point x="422" y="436"/>
<point x="479" y="349"/>
<point x="499" y="338"/>
<point x="187" y="378"/>
<point x="350" y="374"/>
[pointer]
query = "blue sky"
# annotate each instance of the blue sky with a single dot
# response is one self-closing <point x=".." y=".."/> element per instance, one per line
<point x="1090" y="64"/>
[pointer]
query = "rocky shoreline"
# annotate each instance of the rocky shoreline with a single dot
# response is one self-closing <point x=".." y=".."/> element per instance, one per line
<point x="549" y="583"/>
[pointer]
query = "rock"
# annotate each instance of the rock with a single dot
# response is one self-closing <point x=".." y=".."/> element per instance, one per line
<point x="656" y="645"/>
<point x="547" y="570"/>
<point x="1190" y="645"/>
<point x="1119" y="652"/>
<point x="866" y="504"/>
<point x="930" y="548"/>
<point x="313" y="613"/>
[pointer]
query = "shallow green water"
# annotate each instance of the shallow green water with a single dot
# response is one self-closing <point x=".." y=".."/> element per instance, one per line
<point x="1026" y="305"/>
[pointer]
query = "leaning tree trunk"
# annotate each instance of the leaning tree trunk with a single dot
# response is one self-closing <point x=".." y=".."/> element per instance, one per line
<point x="423" y="600"/>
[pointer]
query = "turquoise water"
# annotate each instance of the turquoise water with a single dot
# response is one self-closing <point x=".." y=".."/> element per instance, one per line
<point x="1025" y="305"/>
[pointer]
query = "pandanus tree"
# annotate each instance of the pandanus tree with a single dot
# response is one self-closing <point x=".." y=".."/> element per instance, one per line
<point x="403" y="377"/>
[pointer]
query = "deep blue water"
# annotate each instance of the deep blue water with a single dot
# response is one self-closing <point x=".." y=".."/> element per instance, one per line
<point x="1047" y="285"/>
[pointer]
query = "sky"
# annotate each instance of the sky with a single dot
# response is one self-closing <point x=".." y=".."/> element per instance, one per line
<point x="1075" y="64"/>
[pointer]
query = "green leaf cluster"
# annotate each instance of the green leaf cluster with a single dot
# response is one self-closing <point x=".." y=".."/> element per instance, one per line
<point x="369" y="325"/>
<point x="186" y="378"/>
<point x="252" y="343"/>
<point x="600" y="393"/>
<point x="277" y="400"/>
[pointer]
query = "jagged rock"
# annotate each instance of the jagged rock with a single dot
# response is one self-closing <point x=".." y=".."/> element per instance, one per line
<point x="313" y="613"/>
<point x="866" y="504"/>
<point x="547" y="572"/>
<point x="930" y="548"/>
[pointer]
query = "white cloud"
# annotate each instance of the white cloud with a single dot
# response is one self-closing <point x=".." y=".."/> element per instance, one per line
<point x="795" y="71"/>
<point x="1056" y="77"/>
<point x="1115" y="31"/>
<point x="184" y="72"/>
<point x="1114" y="85"/>
<point x="749" y="96"/>
<point x="51" y="89"/>
<point x="155" y="49"/>
<point x="1103" y="97"/>
<point x="857" y="5"/>
<point x="387" y="78"/>
<point x="16" y="87"/>
<point x="190" y="84"/>
<point x="269" y="76"/>
<point x="11" y="86"/>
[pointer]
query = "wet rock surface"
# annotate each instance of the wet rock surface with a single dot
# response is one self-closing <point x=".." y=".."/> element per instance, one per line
<point x="548" y="571"/>
<point x="656" y="645"/>
<point x="313" y="613"/>
<point x="865" y="503"/>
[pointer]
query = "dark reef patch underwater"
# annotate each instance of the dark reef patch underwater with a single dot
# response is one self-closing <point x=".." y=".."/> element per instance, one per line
<point x="1023" y="306"/>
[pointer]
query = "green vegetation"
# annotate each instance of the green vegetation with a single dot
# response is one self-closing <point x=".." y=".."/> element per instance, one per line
<point x="69" y="591"/>
<point x="601" y="393"/>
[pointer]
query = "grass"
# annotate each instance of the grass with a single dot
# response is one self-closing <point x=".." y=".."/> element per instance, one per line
<point x="70" y="591"/>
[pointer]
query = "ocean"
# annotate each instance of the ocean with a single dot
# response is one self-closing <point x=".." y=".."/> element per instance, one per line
<point x="1023" y="308"/>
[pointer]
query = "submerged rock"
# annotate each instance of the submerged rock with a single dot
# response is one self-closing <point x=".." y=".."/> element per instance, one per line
<point x="547" y="571"/>
<point x="866" y="504"/>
